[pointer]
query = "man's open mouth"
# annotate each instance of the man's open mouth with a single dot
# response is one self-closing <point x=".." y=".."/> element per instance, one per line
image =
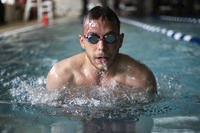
<point x="102" y="59"/>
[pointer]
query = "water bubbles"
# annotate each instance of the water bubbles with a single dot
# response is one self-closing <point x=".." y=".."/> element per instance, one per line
<point x="168" y="86"/>
<point x="88" y="102"/>
<point x="31" y="91"/>
<point x="113" y="101"/>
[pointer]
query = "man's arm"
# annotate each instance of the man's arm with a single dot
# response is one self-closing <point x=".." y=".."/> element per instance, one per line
<point x="57" y="78"/>
<point x="142" y="77"/>
<point x="53" y="80"/>
<point x="150" y="83"/>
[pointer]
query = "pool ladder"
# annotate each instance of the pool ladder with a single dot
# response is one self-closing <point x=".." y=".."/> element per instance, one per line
<point x="42" y="6"/>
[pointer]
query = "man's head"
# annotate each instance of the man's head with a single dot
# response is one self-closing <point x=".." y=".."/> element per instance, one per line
<point x="105" y="13"/>
<point x="101" y="37"/>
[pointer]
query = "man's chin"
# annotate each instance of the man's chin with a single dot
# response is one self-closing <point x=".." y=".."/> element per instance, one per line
<point x="102" y="67"/>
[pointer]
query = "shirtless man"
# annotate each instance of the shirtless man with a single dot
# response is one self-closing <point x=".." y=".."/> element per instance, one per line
<point x="101" y="63"/>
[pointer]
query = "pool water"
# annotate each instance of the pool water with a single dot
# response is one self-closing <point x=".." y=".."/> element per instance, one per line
<point x="26" y="106"/>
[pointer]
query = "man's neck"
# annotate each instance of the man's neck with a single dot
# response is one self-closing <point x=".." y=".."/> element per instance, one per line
<point x="100" y="76"/>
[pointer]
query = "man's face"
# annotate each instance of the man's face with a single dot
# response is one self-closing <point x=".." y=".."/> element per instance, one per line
<point x="101" y="53"/>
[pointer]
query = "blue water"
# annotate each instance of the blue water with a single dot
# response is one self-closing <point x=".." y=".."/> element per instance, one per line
<point x="26" y="106"/>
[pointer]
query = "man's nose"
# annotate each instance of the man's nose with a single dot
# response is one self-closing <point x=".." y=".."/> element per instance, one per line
<point x="101" y="45"/>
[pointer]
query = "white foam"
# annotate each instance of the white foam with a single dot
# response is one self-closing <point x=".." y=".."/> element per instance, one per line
<point x="78" y="101"/>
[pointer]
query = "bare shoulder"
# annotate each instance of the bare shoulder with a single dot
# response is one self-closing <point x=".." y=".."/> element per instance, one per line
<point x="138" y="74"/>
<point x="62" y="72"/>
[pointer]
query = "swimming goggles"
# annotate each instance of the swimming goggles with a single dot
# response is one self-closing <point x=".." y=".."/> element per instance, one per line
<point x="108" y="38"/>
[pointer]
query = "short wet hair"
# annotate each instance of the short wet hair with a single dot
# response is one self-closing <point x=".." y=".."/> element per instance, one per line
<point x="102" y="12"/>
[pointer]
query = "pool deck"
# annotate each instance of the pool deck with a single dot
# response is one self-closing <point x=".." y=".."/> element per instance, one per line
<point x="15" y="25"/>
<point x="21" y="26"/>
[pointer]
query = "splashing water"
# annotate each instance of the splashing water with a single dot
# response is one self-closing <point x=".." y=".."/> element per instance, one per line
<point x="113" y="101"/>
<point x="79" y="101"/>
<point x="105" y="66"/>
<point x="32" y="92"/>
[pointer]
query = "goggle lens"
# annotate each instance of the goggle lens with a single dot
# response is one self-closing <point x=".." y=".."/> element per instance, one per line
<point x="93" y="38"/>
<point x="110" y="38"/>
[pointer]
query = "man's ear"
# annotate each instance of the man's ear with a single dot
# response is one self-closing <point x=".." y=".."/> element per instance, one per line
<point x="81" y="40"/>
<point x="121" y="38"/>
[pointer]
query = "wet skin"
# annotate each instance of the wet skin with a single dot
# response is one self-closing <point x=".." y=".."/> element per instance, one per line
<point x="101" y="64"/>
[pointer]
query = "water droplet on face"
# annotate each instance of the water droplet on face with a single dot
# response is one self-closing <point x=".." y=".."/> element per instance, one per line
<point x="105" y="67"/>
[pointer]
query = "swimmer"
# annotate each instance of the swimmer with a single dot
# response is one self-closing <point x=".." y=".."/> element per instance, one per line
<point x="101" y="64"/>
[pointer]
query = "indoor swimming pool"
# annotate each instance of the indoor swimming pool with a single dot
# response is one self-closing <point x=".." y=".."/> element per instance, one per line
<point x="26" y="106"/>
